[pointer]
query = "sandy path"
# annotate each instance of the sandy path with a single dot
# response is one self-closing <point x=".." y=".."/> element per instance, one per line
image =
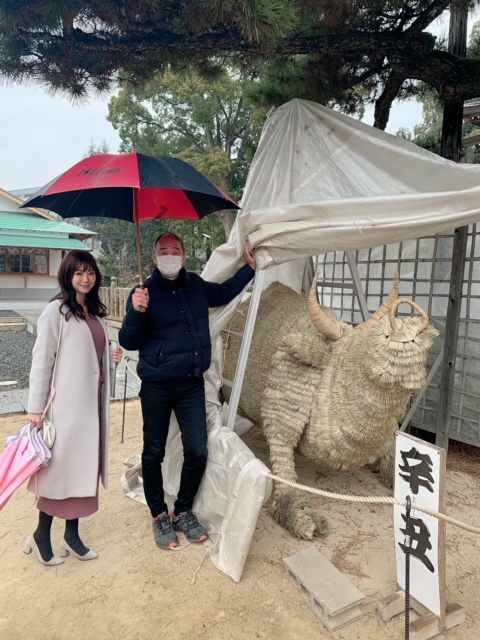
<point x="136" y="591"/>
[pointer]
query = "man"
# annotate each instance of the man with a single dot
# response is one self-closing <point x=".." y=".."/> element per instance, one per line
<point x="167" y="321"/>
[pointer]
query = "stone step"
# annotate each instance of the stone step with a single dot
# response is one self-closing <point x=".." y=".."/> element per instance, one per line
<point x="114" y="321"/>
<point x="13" y="324"/>
<point x="330" y="595"/>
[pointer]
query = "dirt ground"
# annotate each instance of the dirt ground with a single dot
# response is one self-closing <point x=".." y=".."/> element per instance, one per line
<point x="136" y="591"/>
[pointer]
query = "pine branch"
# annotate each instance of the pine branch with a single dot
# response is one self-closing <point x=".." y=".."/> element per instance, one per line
<point x="384" y="102"/>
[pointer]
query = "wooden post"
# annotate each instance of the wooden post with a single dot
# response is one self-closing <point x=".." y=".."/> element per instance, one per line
<point x="451" y="149"/>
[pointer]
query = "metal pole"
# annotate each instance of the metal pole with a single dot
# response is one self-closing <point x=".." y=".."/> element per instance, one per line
<point x="362" y="301"/>
<point x="451" y="149"/>
<point x="407" y="568"/>
<point x="124" y="395"/>
<point x="245" y="348"/>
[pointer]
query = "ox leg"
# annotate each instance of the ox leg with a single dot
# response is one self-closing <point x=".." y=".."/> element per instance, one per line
<point x="290" y="508"/>
<point x="291" y="511"/>
<point x="386" y="467"/>
<point x="285" y="412"/>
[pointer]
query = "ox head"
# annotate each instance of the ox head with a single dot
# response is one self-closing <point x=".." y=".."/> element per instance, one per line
<point x="391" y="351"/>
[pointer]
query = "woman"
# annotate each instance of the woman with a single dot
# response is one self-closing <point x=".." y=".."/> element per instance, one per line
<point x="68" y="487"/>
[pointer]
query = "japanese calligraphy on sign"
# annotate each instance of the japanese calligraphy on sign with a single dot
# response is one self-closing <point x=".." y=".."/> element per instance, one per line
<point x="420" y="474"/>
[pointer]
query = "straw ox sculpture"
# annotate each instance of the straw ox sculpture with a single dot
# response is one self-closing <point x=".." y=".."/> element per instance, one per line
<point x="334" y="392"/>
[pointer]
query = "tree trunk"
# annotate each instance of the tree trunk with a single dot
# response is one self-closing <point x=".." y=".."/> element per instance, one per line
<point x="227" y="218"/>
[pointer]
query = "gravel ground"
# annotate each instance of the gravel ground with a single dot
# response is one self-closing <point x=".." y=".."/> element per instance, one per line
<point x="15" y="358"/>
<point x="15" y="363"/>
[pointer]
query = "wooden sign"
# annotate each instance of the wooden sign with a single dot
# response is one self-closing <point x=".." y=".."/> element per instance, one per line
<point x="420" y="474"/>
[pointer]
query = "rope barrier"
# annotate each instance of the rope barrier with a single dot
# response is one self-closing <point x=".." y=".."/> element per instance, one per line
<point x="376" y="500"/>
<point x="351" y="498"/>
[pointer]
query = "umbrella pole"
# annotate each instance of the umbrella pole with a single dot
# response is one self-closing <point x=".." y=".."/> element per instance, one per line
<point x="139" y="255"/>
<point x="139" y="242"/>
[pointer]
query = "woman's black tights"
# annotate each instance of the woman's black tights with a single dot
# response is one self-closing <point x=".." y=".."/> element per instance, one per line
<point x="42" y="535"/>
<point x="73" y="539"/>
<point x="43" y="539"/>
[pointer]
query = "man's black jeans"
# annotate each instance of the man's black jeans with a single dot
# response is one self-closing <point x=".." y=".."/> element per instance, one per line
<point x="187" y="399"/>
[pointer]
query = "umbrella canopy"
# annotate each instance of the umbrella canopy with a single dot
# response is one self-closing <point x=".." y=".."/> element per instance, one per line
<point x="132" y="187"/>
<point x="23" y="456"/>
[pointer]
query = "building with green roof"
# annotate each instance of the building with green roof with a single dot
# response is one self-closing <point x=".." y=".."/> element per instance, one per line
<point x="32" y="245"/>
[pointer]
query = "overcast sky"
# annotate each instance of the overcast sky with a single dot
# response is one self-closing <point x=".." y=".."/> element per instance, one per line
<point x="41" y="136"/>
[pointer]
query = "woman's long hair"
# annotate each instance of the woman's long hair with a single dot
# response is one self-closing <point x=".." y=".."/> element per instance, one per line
<point x="76" y="260"/>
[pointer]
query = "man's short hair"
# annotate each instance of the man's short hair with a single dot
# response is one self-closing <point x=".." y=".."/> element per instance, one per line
<point x="171" y="235"/>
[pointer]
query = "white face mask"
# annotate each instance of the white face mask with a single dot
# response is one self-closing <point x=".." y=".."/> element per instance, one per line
<point x="169" y="266"/>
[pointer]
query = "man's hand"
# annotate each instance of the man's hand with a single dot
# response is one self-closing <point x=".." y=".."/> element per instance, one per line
<point x="140" y="299"/>
<point x="249" y="257"/>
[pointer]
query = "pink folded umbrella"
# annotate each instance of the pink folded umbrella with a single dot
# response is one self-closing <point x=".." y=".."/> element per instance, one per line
<point x="24" y="454"/>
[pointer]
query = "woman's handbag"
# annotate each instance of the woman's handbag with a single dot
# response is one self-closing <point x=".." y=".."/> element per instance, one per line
<point x="48" y="431"/>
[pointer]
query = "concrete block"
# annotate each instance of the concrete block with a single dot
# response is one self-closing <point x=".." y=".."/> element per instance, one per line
<point x="21" y="396"/>
<point x="27" y="295"/>
<point x="32" y="328"/>
<point x="10" y="404"/>
<point x="330" y="595"/>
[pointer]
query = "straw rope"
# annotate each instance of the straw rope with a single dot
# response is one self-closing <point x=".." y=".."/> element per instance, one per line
<point x="376" y="500"/>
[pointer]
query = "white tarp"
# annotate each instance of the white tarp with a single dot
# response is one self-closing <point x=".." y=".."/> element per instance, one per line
<point x="319" y="182"/>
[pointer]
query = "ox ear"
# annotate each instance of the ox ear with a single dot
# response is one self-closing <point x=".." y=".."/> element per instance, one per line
<point x="384" y="309"/>
<point x="307" y="348"/>
<point x="330" y="327"/>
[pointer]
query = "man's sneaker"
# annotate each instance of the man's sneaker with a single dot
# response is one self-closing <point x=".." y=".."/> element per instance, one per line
<point x="165" y="536"/>
<point x="187" y="523"/>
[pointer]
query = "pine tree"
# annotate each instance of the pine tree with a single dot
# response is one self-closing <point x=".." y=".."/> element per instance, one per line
<point x="327" y="48"/>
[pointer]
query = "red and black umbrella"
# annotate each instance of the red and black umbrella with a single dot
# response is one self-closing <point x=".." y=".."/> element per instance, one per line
<point x="132" y="187"/>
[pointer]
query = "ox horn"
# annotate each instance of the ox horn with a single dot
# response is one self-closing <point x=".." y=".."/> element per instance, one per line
<point x="331" y="328"/>
<point x="384" y="309"/>
<point x="397" y="303"/>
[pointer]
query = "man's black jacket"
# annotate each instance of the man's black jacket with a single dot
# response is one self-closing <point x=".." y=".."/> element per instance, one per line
<point x="173" y="336"/>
